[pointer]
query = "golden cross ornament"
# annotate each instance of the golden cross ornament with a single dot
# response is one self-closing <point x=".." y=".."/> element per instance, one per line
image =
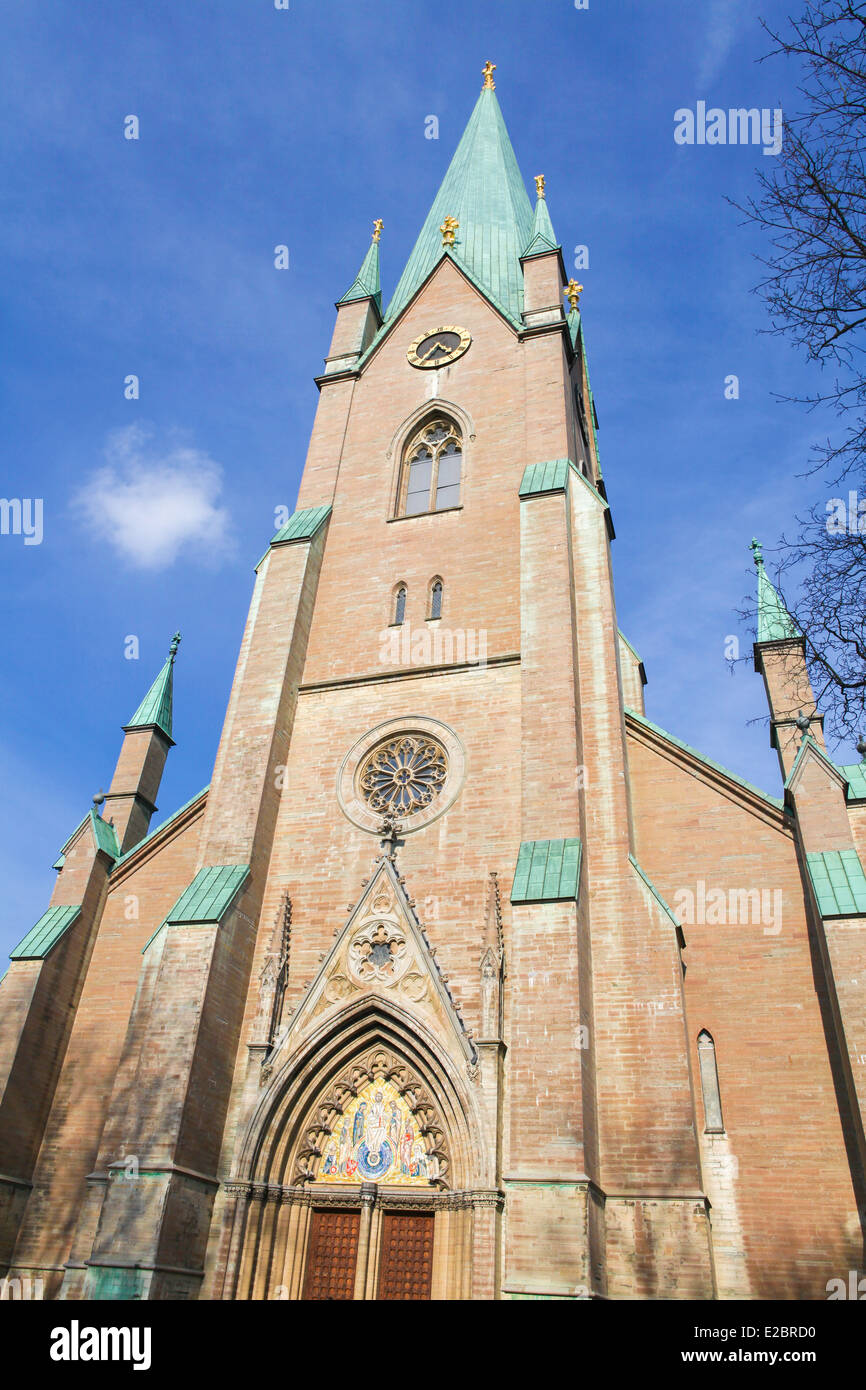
<point x="377" y="228"/>
<point x="540" y="185"/>
<point x="448" y="230"/>
<point x="573" y="291"/>
<point x="488" y="70"/>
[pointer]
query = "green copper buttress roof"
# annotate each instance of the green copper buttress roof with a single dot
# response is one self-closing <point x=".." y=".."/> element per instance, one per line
<point x="484" y="189"/>
<point x="855" y="774"/>
<point x="210" y="893"/>
<point x="550" y="476"/>
<point x="105" y="835"/>
<point x="366" y="284"/>
<point x="302" y="525"/>
<point x="543" y="237"/>
<point x="839" y="882"/>
<point x="155" y="710"/>
<point x="207" y="899"/>
<point x="46" y="933"/>
<point x="547" y="871"/>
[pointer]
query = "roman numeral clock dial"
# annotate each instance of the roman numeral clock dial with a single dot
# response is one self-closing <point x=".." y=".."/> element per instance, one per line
<point x="438" y="348"/>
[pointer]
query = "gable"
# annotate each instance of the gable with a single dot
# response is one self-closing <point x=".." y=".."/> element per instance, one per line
<point x="381" y="951"/>
<point x="448" y="290"/>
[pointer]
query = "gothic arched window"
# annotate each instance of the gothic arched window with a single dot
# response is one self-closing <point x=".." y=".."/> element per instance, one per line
<point x="432" y="464"/>
<point x="713" y="1123"/>
<point x="437" y="589"/>
<point x="400" y="597"/>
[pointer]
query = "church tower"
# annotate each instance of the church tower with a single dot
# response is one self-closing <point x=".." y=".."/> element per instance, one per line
<point x="401" y="1009"/>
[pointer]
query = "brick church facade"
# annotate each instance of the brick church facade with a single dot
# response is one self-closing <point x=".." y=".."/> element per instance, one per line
<point x="462" y="979"/>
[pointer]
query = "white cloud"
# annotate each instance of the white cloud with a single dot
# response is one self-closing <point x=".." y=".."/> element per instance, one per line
<point x="725" y="20"/>
<point x="155" y="501"/>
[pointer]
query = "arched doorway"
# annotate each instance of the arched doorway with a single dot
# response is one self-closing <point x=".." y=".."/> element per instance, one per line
<point x="366" y="1170"/>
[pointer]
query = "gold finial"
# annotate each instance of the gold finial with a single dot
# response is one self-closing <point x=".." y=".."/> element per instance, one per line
<point x="488" y="70"/>
<point x="573" y="291"/>
<point x="539" y="185"/>
<point x="377" y="228"/>
<point x="448" y="230"/>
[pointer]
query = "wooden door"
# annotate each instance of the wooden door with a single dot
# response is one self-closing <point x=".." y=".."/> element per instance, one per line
<point x="332" y="1254"/>
<point x="406" y="1262"/>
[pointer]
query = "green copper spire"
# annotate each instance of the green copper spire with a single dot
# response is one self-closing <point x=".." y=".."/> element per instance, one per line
<point x="366" y="284"/>
<point x="484" y="192"/>
<point x="775" y="623"/>
<point x="156" y="708"/>
<point x="543" y="237"/>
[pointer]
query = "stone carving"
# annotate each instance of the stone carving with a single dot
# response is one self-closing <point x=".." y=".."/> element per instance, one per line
<point x="415" y="987"/>
<point x="383" y="947"/>
<point x="378" y="954"/>
<point x="492" y="964"/>
<point x="273" y="979"/>
<point x="337" y="988"/>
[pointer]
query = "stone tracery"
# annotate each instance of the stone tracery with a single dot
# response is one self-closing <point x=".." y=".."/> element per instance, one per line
<point x="404" y="774"/>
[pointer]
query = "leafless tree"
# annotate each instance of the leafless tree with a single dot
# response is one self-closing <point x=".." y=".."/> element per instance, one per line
<point x="827" y="600"/>
<point x="812" y="207"/>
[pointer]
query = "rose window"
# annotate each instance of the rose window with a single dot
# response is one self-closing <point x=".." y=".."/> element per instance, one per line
<point x="404" y="775"/>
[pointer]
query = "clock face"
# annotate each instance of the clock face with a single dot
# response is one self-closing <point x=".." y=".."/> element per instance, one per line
<point x="439" y="348"/>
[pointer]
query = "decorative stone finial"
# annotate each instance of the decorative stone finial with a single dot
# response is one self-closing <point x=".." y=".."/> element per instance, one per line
<point x="389" y="830"/>
<point x="804" y="724"/>
<point x="540" y="182"/>
<point x="488" y="70"/>
<point x="99" y="798"/>
<point x="175" y="643"/>
<point x="758" y="551"/>
<point x="449" y="230"/>
<point x="573" y="290"/>
<point x="377" y="228"/>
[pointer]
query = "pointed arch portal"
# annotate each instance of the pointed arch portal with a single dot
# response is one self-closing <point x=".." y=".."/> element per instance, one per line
<point x="361" y="1174"/>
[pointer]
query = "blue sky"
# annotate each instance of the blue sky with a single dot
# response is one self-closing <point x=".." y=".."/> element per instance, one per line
<point x="155" y="257"/>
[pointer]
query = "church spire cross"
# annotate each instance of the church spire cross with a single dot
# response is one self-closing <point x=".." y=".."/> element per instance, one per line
<point x="540" y="184"/>
<point x="758" y="551"/>
<point x="488" y="70"/>
<point x="389" y="830"/>
<point x="449" y="230"/>
<point x="175" y="643"/>
<point x="378" y="226"/>
<point x="573" y="290"/>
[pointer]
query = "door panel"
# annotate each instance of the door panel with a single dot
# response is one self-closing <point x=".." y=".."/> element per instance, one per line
<point x="406" y="1263"/>
<point x="332" y="1255"/>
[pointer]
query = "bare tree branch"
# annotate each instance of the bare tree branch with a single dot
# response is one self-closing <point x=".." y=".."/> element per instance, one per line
<point x="811" y="207"/>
